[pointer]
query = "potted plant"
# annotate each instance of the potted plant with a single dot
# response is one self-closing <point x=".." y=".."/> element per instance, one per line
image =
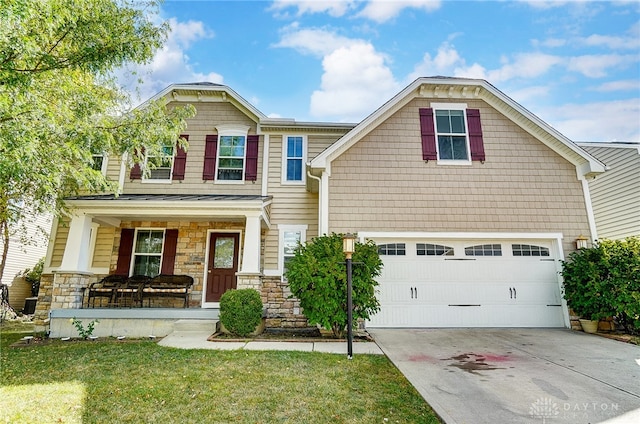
<point x="585" y="288"/>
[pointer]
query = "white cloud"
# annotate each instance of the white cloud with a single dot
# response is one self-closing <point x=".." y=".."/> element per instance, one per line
<point x="171" y="64"/>
<point x="356" y="81"/>
<point x="384" y="10"/>
<point x="525" y="65"/>
<point x="449" y="62"/>
<point x="602" y="121"/>
<point x="596" y="66"/>
<point x="624" y="85"/>
<point x="318" y="42"/>
<point x="334" y="8"/>
<point x="612" y="42"/>
<point x="443" y="63"/>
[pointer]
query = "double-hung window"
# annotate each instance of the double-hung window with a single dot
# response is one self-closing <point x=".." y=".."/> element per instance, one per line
<point x="147" y="252"/>
<point x="290" y="237"/>
<point x="231" y="157"/>
<point x="451" y="134"/>
<point x="161" y="163"/>
<point x="294" y="154"/>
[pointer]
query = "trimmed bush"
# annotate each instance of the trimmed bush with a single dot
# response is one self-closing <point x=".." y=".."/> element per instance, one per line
<point x="241" y="311"/>
<point x="317" y="277"/>
<point x="604" y="281"/>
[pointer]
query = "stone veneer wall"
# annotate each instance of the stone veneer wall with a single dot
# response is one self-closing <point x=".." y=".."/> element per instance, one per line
<point x="282" y="311"/>
<point x="60" y="291"/>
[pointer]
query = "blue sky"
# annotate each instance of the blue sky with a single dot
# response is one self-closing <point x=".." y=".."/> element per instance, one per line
<point x="574" y="64"/>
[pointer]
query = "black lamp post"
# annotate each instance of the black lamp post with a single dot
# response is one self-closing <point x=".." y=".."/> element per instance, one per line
<point x="348" y="247"/>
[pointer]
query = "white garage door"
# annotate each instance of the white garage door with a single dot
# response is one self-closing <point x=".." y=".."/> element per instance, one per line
<point x="468" y="283"/>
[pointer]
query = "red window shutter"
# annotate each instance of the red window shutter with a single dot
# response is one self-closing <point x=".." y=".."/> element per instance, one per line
<point x="180" y="161"/>
<point x="475" y="135"/>
<point x="169" y="251"/>
<point x="428" y="134"/>
<point x="136" y="171"/>
<point x="251" y="167"/>
<point x="210" y="152"/>
<point x="124" y="251"/>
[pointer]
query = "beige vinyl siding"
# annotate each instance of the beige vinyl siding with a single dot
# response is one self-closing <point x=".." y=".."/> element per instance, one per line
<point x="292" y="204"/>
<point x="615" y="195"/>
<point x="209" y="115"/>
<point x="382" y="183"/>
<point x="103" y="247"/>
<point x="21" y="256"/>
<point x="113" y="168"/>
<point x="60" y="242"/>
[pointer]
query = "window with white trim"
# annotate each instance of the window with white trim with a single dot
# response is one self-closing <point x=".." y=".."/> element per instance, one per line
<point x="232" y="151"/>
<point x="147" y="252"/>
<point x="290" y="237"/>
<point x="294" y="156"/>
<point x="99" y="162"/>
<point x="451" y="134"/>
<point x="160" y="164"/>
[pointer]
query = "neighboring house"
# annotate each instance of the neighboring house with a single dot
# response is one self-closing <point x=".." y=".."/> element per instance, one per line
<point x="21" y="256"/>
<point x="472" y="199"/>
<point x="615" y="195"/>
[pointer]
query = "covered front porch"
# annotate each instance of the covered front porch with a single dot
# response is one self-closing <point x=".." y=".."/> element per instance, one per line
<point x="215" y="239"/>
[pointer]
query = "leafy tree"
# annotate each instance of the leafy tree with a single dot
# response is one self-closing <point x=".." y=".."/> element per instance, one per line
<point x="317" y="277"/>
<point x="59" y="102"/>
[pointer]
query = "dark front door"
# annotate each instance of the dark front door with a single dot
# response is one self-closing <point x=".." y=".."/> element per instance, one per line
<point x="222" y="265"/>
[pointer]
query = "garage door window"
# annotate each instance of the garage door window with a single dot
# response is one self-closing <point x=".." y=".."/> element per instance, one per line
<point x="426" y="249"/>
<point x="392" y="249"/>
<point x="483" y="250"/>
<point x="529" y="250"/>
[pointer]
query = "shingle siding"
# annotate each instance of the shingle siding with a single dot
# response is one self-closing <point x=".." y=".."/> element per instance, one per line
<point x="208" y="117"/>
<point x="382" y="183"/>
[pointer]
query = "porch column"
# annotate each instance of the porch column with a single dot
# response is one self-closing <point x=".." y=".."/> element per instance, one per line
<point x="251" y="245"/>
<point x="249" y="275"/>
<point x="76" y="252"/>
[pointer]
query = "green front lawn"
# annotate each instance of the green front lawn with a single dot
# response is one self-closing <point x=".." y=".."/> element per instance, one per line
<point x="117" y="382"/>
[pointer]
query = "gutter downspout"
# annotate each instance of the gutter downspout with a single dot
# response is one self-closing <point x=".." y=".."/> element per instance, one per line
<point x="590" y="216"/>
<point x="319" y="198"/>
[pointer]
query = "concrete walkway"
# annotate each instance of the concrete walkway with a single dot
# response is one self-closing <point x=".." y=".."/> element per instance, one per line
<point x="198" y="340"/>
<point x="520" y="375"/>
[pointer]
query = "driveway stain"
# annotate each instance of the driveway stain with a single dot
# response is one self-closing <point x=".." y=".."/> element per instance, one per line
<point x="472" y="362"/>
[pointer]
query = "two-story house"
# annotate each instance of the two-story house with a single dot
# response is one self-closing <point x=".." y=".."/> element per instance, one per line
<point x="472" y="200"/>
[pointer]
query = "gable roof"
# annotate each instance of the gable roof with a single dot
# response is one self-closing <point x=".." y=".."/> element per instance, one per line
<point x="197" y="92"/>
<point x="446" y="88"/>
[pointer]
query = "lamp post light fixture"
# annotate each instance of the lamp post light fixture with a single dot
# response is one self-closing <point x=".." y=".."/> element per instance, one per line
<point x="581" y="242"/>
<point x="348" y="247"/>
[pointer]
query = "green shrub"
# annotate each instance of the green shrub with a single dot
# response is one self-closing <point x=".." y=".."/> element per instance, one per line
<point x="33" y="275"/>
<point x="317" y="277"/>
<point x="241" y="311"/>
<point x="604" y="281"/>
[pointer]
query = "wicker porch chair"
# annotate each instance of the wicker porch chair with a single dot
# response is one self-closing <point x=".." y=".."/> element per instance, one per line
<point x="105" y="288"/>
<point x="130" y="292"/>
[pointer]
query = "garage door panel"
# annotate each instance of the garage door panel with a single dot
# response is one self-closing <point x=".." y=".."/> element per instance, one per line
<point x="471" y="291"/>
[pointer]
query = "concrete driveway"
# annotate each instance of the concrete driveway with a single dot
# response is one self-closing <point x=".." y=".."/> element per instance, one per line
<point x="518" y="375"/>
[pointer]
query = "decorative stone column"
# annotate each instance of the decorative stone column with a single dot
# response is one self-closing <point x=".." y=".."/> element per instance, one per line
<point x="68" y="290"/>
